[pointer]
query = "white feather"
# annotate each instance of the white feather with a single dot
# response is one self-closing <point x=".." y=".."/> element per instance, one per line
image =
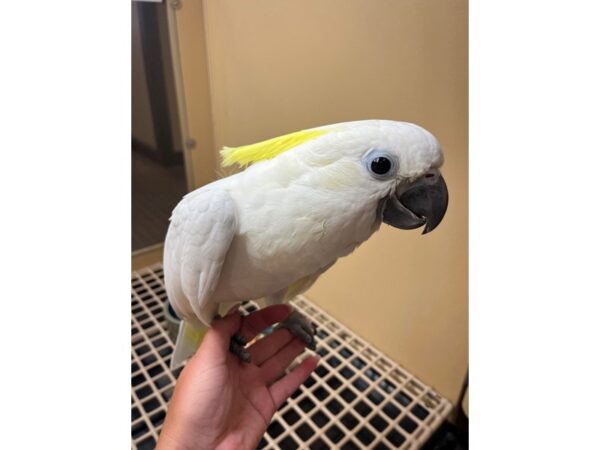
<point x="255" y="233"/>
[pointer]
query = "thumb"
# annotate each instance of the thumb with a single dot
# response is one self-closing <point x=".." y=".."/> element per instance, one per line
<point x="227" y="326"/>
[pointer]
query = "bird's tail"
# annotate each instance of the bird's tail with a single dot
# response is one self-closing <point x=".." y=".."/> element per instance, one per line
<point x="188" y="339"/>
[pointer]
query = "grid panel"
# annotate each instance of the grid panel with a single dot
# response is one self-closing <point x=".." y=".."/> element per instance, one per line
<point x="356" y="399"/>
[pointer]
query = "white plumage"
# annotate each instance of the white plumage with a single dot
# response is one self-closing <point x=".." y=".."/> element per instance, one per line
<point x="281" y="222"/>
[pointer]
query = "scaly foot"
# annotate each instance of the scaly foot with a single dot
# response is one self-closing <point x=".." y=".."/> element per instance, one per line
<point x="236" y="346"/>
<point x="301" y="327"/>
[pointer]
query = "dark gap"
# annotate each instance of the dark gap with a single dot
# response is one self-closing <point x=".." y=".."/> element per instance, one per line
<point x="365" y="436"/>
<point x="165" y="351"/>
<point x="297" y="393"/>
<point x="147" y="360"/>
<point x="403" y="398"/>
<point x="158" y="418"/>
<point x="319" y="444"/>
<point x="155" y="370"/>
<point x="306" y="404"/>
<point x="304" y="431"/>
<point x="139" y="430"/>
<point x="345" y="352"/>
<point x="395" y="438"/>
<point x="143" y="392"/>
<point x="360" y="384"/>
<point x="142" y="349"/>
<point x="322" y="333"/>
<point x="334" y="433"/>
<point x="322" y="351"/>
<point x="137" y="379"/>
<point x="381" y="446"/>
<point x="333" y="361"/>
<point x="349" y="421"/>
<point x="347" y="395"/>
<point x="419" y="411"/>
<point x="358" y="363"/>
<point x="147" y="444"/>
<point x="362" y="408"/>
<point x="162" y="381"/>
<point x="347" y="373"/>
<point x="321" y="371"/>
<point x="167" y="394"/>
<point x="408" y="424"/>
<point x="319" y="419"/>
<point x="321" y="393"/>
<point x="288" y="444"/>
<point x="350" y="446"/>
<point x="334" y="406"/>
<point x="160" y="341"/>
<point x="334" y="382"/>
<point x="378" y="422"/>
<point x="275" y="429"/>
<point x="151" y="404"/>
<point x="387" y="386"/>
<point x="135" y="413"/>
<point x="391" y="410"/>
<point x="372" y="374"/>
<point x="310" y="381"/>
<point x="291" y="417"/>
<point x="375" y="396"/>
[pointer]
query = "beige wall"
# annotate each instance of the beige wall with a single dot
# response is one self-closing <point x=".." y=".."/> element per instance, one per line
<point x="279" y="66"/>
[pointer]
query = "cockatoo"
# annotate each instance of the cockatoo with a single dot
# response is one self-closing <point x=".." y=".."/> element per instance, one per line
<point x="303" y="201"/>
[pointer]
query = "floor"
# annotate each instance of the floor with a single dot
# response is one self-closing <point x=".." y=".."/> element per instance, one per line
<point x="155" y="190"/>
<point x="356" y="399"/>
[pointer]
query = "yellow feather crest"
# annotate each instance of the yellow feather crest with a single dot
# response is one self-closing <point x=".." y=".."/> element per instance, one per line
<point x="248" y="154"/>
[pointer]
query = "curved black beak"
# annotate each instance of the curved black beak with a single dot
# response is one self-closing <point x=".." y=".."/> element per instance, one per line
<point x="424" y="202"/>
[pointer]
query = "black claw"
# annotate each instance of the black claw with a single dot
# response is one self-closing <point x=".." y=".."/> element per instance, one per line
<point x="238" y="350"/>
<point x="239" y="339"/>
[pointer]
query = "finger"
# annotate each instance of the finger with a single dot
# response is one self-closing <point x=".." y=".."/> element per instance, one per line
<point x="269" y="345"/>
<point x="275" y="366"/>
<point x="217" y="338"/>
<point x="258" y="321"/>
<point x="282" y="389"/>
<point x="229" y="325"/>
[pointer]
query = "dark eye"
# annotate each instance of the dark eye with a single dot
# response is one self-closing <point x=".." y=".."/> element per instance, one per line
<point x="381" y="165"/>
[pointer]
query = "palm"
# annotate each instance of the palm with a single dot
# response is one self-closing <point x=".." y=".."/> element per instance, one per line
<point x="231" y="403"/>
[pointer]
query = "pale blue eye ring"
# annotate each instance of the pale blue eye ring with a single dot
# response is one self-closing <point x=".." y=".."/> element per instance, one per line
<point x="381" y="164"/>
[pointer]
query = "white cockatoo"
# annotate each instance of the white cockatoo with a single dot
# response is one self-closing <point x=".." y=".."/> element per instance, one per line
<point x="305" y="200"/>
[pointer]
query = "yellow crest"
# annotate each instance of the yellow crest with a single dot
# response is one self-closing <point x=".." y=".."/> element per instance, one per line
<point x="248" y="154"/>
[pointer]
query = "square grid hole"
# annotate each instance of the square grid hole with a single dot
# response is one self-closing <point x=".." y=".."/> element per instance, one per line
<point x="357" y="398"/>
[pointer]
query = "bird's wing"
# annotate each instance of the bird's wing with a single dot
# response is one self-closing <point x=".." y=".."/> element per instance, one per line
<point x="202" y="227"/>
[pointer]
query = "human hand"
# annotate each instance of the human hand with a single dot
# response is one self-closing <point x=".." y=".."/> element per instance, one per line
<point x="223" y="403"/>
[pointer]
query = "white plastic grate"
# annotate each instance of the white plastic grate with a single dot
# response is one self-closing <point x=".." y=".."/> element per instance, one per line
<point x="356" y="399"/>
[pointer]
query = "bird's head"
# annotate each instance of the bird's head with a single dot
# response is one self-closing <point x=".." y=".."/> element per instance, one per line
<point x="395" y="164"/>
<point x="399" y="164"/>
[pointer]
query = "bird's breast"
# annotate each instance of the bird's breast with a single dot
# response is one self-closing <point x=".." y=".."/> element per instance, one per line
<point x="285" y="234"/>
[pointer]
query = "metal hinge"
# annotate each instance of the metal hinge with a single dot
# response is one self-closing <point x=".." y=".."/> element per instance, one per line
<point x="190" y="143"/>
<point x="176" y="4"/>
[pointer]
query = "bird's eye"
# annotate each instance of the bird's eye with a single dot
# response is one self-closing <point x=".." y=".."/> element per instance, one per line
<point x="381" y="164"/>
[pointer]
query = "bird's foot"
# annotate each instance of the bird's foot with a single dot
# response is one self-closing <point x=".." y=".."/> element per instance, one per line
<point x="301" y="327"/>
<point x="237" y="347"/>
